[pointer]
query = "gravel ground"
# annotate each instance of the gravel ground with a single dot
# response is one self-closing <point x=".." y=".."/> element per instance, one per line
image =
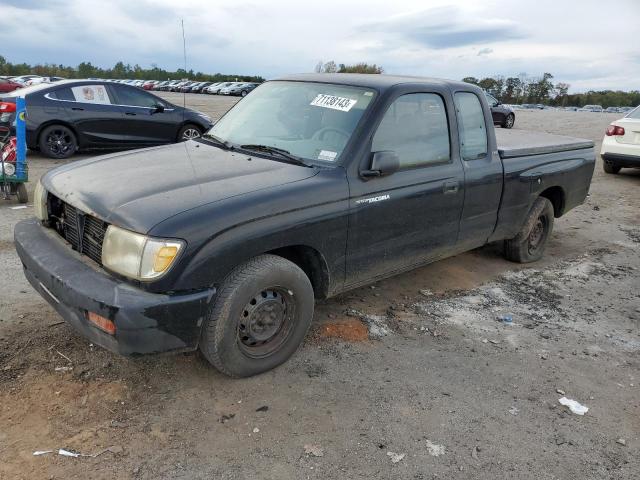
<point x="412" y="377"/>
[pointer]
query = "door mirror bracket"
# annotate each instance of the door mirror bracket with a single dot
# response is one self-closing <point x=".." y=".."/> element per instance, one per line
<point x="383" y="163"/>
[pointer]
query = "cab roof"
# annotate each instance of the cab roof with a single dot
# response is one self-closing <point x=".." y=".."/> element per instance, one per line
<point x="377" y="81"/>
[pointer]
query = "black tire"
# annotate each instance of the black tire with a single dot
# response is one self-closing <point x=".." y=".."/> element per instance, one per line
<point x="529" y="244"/>
<point x="509" y="121"/>
<point x="21" y="192"/>
<point x="244" y="93"/>
<point x="261" y="314"/>
<point x="57" y="141"/>
<point x="189" y="132"/>
<point x="609" y="168"/>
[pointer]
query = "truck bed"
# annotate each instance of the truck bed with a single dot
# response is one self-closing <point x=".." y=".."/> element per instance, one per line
<point x="520" y="143"/>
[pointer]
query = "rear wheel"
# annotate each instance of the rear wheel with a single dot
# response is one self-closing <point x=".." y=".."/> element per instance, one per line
<point x="189" y="132"/>
<point x="244" y="93"/>
<point x="261" y="314"/>
<point x="529" y="244"/>
<point x="57" y="141"/>
<point x="610" y="168"/>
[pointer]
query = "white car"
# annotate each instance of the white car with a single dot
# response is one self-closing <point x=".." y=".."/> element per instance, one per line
<point x="37" y="80"/>
<point x="621" y="144"/>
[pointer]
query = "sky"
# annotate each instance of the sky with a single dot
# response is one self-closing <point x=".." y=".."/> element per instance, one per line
<point x="590" y="44"/>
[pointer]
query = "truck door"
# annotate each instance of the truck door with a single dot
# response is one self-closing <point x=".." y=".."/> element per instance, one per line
<point x="408" y="217"/>
<point x="482" y="168"/>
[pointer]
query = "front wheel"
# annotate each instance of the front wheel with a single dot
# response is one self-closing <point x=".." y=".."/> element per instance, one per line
<point x="529" y="244"/>
<point x="189" y="132"/>
<point x="243" y="93"/>
<point x="57" y="141"/>
<point x="21" y="193"/>
<point x="509" y="121"/>
<point x="261" y="314"/>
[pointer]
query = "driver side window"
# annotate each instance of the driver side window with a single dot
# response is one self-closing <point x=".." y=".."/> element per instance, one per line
<point x="415" y="128"/>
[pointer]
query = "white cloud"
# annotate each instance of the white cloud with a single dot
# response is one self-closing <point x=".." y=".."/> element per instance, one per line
<point x="574" y="40"/>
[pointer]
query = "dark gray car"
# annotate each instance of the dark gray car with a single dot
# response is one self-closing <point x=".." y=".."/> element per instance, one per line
<point x="79" y="114"/>
<point x="503" y="115"/>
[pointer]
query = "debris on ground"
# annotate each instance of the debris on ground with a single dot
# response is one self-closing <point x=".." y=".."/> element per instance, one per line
<point x="226" y="418"/>
<point x="505" y="318"/>
<point x="263" y="408"/>
<point x="256" y="430"/>
<point x="514" y="411"/>
<point x="63" y="369"/>
<point x="621" y="441"/>
<point x="574" y="406"/>
<point x="396" y="457"/>
<point x="434" y="449"/>
<point x="315" y="450"/>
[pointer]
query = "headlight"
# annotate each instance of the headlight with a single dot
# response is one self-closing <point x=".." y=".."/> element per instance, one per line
<point x="40" y="202"/>
<point x="138" y="256"/>
<point x="9" y="169"/>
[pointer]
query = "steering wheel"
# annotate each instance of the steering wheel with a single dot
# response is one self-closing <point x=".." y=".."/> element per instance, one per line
<point x="319" y="135"/>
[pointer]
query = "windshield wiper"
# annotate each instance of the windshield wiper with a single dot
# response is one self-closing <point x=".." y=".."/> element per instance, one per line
<point x="218" y="142"/>
<point x="281" y="152"/>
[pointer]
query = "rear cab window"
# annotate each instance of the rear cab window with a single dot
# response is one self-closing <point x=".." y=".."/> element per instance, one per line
<point x="472" y="128"/>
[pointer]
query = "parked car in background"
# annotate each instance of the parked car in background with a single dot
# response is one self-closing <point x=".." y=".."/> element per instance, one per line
<point x="591" y="108"/>
<point x="214" y="86"/>
<point x="216" y="90"/>
<point x="200" y="87"/>
<point x="621" y="143"/>
<point x="625" y="109"/>
<point x="9" y="85"/>
<point x="80" y="114"/>
<point x="503" y="115"/>
<point x="23" y="79"/>
<point x="37" y="80"/>
<point x="612" y="110"/>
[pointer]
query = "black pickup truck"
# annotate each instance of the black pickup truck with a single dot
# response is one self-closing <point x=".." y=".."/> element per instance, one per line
<point x="310" y="186"/>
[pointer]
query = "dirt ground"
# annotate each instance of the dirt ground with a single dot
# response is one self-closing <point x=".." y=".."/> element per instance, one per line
<point x="410" y="378"/>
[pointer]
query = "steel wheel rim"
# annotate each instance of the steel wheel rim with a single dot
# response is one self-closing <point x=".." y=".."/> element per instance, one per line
<point x="190" y="133"/>
<point x="509" y="121"/>
<point x="537" y="234"/>
<point x="266" y="322"/>
<point x="59" y="142"/>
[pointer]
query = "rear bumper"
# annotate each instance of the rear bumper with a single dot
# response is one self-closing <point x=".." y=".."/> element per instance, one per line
<point x="145" y="322"/>
<point x="621" y="160"/>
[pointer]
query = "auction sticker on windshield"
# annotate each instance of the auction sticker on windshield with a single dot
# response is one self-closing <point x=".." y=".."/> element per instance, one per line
<point x="327" y="155"/>
<point x="336" y="103"/>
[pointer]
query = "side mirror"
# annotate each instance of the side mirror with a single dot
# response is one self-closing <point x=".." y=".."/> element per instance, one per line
<point x="383" y="163"/>
<point x="157" y="109"/>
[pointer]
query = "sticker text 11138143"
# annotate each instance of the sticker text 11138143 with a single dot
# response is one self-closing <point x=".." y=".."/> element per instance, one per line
<point x="336" y="103"/>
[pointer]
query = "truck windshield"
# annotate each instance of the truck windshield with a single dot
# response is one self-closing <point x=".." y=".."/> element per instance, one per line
<point x="313" y="121"/>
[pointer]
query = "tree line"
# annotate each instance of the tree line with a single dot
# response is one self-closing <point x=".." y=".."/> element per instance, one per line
<point x="531" y="89"/>
<point x="119" y="71"/>
<point x="332" y="67"/>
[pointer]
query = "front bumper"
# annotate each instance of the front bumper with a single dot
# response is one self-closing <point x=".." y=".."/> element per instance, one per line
<point x="145" y="322"/>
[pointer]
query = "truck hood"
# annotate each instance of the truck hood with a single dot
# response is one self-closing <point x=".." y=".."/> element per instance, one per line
<point x="138" y="189"/>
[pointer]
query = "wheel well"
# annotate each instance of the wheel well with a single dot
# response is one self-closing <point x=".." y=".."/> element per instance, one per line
<point x="556" y="196"/>
<point x="312" y="264"/>
<point x="56" y="122"/>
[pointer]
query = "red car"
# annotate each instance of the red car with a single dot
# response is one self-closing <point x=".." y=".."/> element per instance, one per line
<point x="8" y="86"/>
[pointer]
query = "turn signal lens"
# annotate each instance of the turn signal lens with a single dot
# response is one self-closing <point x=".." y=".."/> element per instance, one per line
<point x="102" y="323"/>
<point x="164" y="257"/>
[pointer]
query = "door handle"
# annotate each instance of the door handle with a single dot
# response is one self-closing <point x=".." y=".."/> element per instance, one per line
<point x="450" y="187"/>
<point x="130" y="113"/>
<point x="78" y="109"/>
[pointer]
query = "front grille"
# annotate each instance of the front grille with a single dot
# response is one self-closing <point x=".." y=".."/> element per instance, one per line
<point x="84" y="232"/>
